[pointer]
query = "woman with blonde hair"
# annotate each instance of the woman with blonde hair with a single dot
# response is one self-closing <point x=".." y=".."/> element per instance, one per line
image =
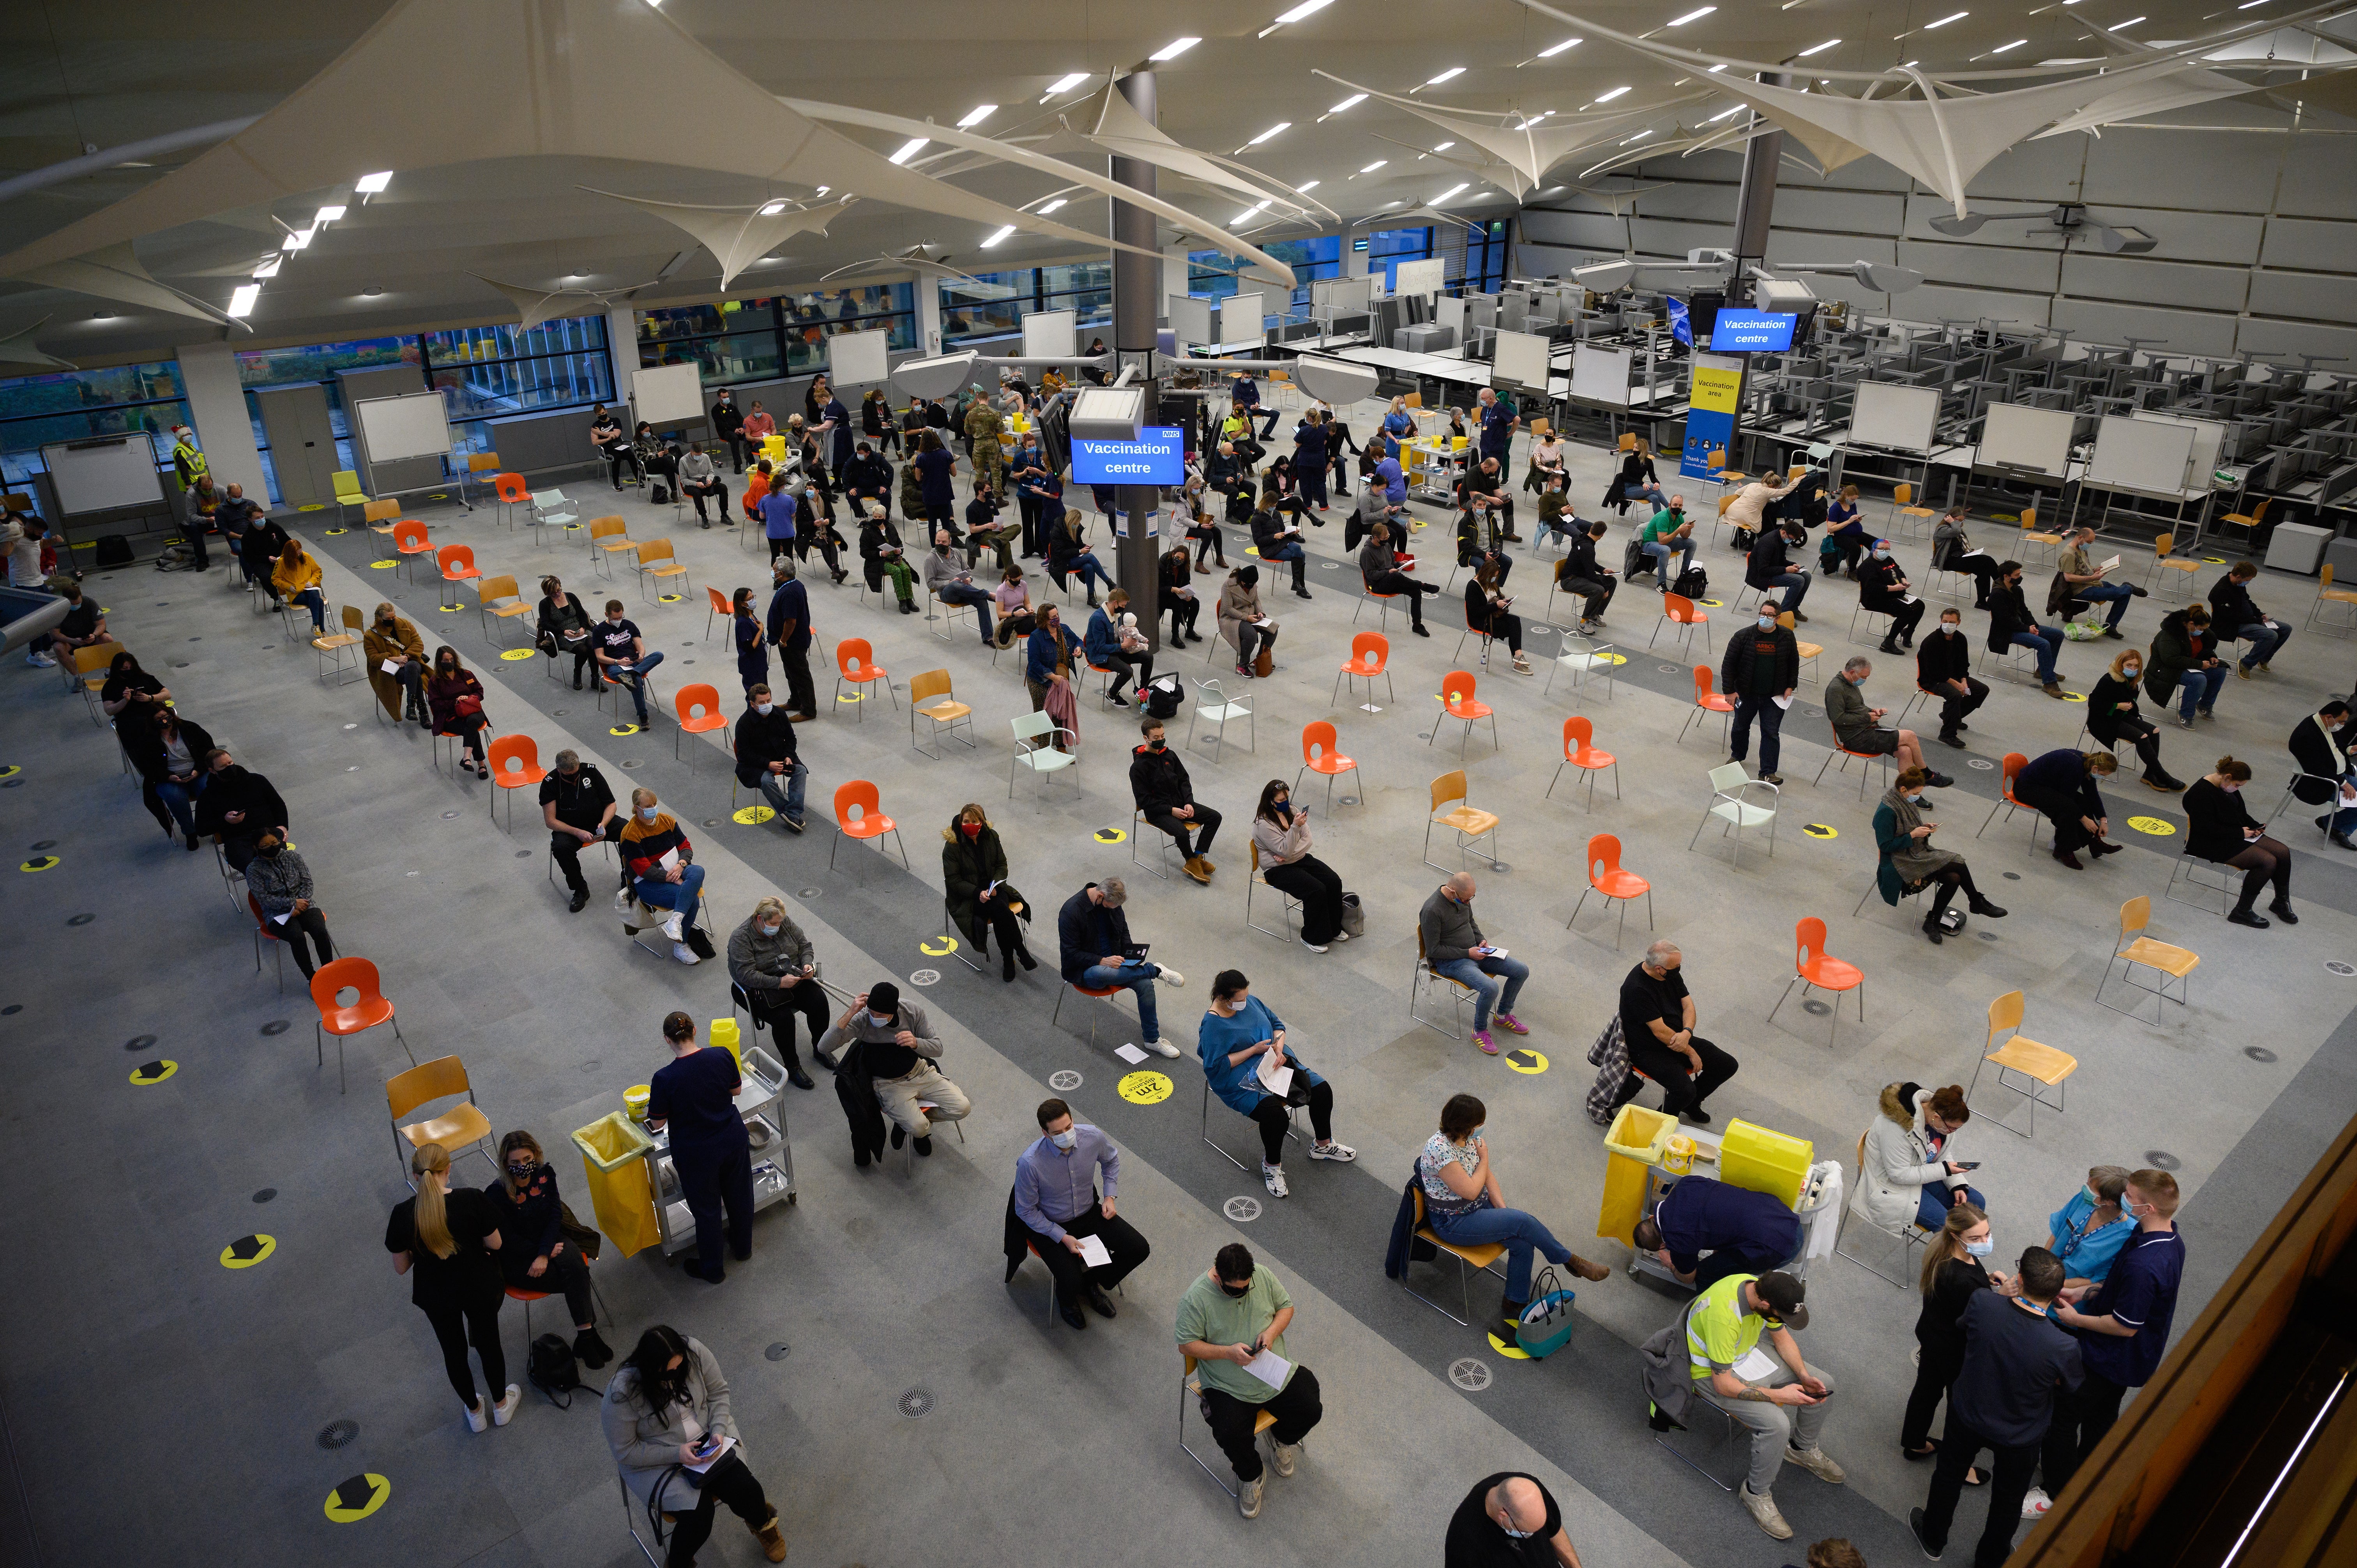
<point x="1953" y="1275"/>
<point x="2113" y="717"/>
<point x="544" y="1260"/>
<point x="443" y="1242"/>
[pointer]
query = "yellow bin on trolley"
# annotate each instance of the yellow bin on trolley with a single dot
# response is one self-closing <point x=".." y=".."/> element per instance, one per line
<point x="613" y="1152"/>
<point x="722" y="1033"/>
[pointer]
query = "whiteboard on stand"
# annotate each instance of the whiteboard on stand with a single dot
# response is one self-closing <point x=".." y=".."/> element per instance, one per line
<point x="1190" y="319"/>
<point x="2140" y="455"/>
<point x="1420" y="277"/>
<point x="1898" y="418"/>
<point x="415" y="425"/>
<point x="669" y="395"/>
<point x="105" y="474"/>
<point x="1051" y="334"/>
<point x="1520" y="357"/>
<point x="860" y="359"/>
<point x="2208" y="442"/>
<point x="1601" y="375"/>
<point x="1243" y="318"/>
<point x="2018" y="436"/>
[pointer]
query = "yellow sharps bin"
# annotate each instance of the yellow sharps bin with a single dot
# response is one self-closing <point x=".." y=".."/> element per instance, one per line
<point x="1748" y="1156"/>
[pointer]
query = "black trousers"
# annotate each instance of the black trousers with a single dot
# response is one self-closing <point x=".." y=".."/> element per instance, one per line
<point x="2009" y="1484"/>
<point x="477" y="1322"/>
<point x="1954" y="708"/>
<point x="616" y="459"/>
<point x="776" y="1011"/>
<point x="1682" y="1090"/>
<point x="728" y="1482"/>
<point x="1129" y="668"/>
<point x="1952" y="880"/>
<point x="2082" y="1416"/>
<point x="1599" y="590"/>
<point x="1275" y="1117"/>
<point x="1182" y="615"/>
<point x="1208" y="541"/>
<point x="567" y="1274"/>
<point x="1320" y="887"/>
<point x="713" y="487"/>
<point x="1205" y="821"/>
<point x="712" y="1183"/>
<point x="1935" y="1368"/>
<point x="309" y="923"/>
<point x="736" y="452"/>
<point x="2064" y="812"/>
<point x="1123" y="1243"/>
<point x="584" y="654"/>
<point x="2139" y="732"/>
<point x="993" y="920"/>
<point x="1903" y="620"/>
<point x="568" y="851"/>
<point x="1771" y="731"/>
<point x="1984" y="574"/>
<point x="801" y="696"/>
<point x="1296" y="1407"/>
<point x="1401" y="583"/>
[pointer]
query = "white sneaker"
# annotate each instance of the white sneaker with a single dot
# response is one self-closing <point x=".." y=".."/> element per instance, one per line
<point x="1286" y="1455"/>
<point x="1162" y="1048"/>
<point x="672" y="926"/>
<point x="475" y="1418"/>
<point x="40" y="661"/>
<point x="1248" y="1497"/>
<point x="507" y="1407"/>
<point x="2035" y="1502"/>
<point x="1818" y="1463"/>
<point x="1762" y="1506"/>
<point x="1341" y="936"/>
<point x="1172" y="978"/>
<point x="684" y="953"/>
<point x="1313" y="947"/>
<point x="1272" y="1178"/>
<point x="1333" y="1150"/>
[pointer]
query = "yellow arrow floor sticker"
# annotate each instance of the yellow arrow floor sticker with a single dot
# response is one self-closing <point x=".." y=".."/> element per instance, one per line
<point x="248" y="1251"/>
<point x="1110" y="835"/>
<point x="1145" y="1088"/>
<point x="938" y="947"/>
<point x="356" y="1499"/>
<point x="38" y="863"/>
<point x="623" y="729"/>
<point x="1511" y="1352"/>
<point x="1527" y="1061"/>
<point x="154" y="1072"/>
<point x="2158" y="827"/>
<point x="1820" y="830"/>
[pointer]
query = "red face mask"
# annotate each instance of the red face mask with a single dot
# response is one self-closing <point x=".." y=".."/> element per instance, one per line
<point x="971" y="830"/>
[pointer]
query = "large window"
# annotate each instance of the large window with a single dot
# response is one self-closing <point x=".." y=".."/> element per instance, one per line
<point x="738" y="341"/>
<point x="1485" y="258"/>
<point x="995" y="303"/>
<point x="1212" y="275"/>
<point x="75" y="406"/>
<point x="1387" y="248"/>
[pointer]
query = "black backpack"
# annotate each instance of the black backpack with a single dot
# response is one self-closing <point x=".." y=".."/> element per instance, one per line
<point x="1164" y="694"/>
<point x="1692" y="584"/>
<point x="551" y="1370"/>
<point x="660" y="495"/>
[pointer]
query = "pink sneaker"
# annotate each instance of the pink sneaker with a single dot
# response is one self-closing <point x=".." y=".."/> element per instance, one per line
<point x="1482" y="1038"/>
<point x="1510" y="1022"/>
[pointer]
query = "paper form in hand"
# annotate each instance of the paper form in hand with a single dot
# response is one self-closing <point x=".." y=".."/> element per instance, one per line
<point x="392" y="667"/>
<point x="1270" y="1368"/>
<point x="671" y="860"/>
<point x="1756" y="1365"/>
<point x="1093" y="1252"/>
<point x="1785" y="701"/>
<point x="1275" y="1074"/>
<point x="1129" y="1054"/>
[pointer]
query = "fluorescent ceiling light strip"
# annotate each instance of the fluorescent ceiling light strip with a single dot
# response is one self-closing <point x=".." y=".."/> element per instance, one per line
<point x="1566" y="44"/>
<point x="976" y="115"/>
<point x="1444" y="195"/>
<point x="1373" y="166"/>
<point x="1609" y="97"/>
<point x="1351" y="102"/>
<point x="2131" y="22"/>
<point x="1174" y="48"/>
<point x="327" y="215"/>
<point x="910" y="148"/>
<point x="242" y="299"/>
<point x="1066" y="84"/>
<point x="369" y="184"/>
<point x="1694" y="15"/>
<point x="1047" y="208"/>
<point x="1442" y="146"/>
<point x="1306" y="8"/>
<point x="1943" y="21"/>
<point x="269" y="269"/>
<point x="1002" y="234"/>
<point x="1727" y="115"/>
<point x="1820" y="48"/>
<point x="771" y="209"/>
<point x="1307" y="185"/>
<point x="1273" y="130"/>
<point x="1452" y="73"/>
<point x="2003" y="48"/>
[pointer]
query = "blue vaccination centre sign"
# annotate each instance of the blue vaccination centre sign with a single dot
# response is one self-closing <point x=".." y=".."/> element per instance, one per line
<point x="1754" y="331"/>
<point x="1158" y="457"/>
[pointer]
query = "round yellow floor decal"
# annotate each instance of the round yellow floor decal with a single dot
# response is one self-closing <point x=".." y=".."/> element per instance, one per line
<point x="1820" y="830"/>
<point x="2158" y="827"/>
<point x="10" y="770"/>
<point x="2074" y="696"/>
<point x="1143" y="1088"/>
<point x="1527" y="1061"/>
<point x="515" y="654"/>
<point x="333" y="531"/>
<point x="623" y="729"/>
<point x="938" y="947"/>
<point x="669" y="598"/>
<point x="448" y="609"/>
<point x="1110" y="835"/>
<point x="357" y="1497"/>
<point x="383" y="566"/>
<point x="753" y="816"/>
<point x="248" y="1251"/>
<point x="38" y="863"/>
<point x="154" y="1072"/>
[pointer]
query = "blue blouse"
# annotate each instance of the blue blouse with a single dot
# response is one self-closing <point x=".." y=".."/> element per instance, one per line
<point x="2086" y="1254"/>
<point x="1238" y="1084"/>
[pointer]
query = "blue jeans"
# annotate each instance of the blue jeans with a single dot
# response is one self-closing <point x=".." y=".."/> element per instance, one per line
<point x="789" y="799"/>
<point x="2048" y="641"/>
<point x="1137" y="977"/>
<point x="635" y="676"/>
<point x="1088" y="568"/>
<point x="2119" y="593"/>
<point x="1798" y="582"/>
<point x="310" y="600"/>
<point x="2265" y="643"/>
<point x="1521" y="1233"/>
<point x="1289" y="551"/>
<point x="1660" y="550"/>
<point x="1931" y="1208"/>
<point x="179" y="798"/>
<point x="961" y="594"/>
<point x="2198" y="686"/>
<point x="1488" y="994"/>
<point x="684" y="896"/>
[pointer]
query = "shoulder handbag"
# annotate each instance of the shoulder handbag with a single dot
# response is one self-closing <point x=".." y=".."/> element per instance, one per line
<point x="1547" y="1321"/>
<point x="581" y="1236"/>
<point x="468" y="706"/>
<point x="1265" y="665"/>
<point x="1354" y="916"/>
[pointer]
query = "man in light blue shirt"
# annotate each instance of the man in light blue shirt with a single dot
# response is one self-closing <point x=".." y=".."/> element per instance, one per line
<point x="1394" y="477"/>
<point x="1055" y="1205"/>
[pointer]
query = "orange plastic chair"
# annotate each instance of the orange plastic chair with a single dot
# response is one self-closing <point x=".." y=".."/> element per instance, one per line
<point x="1682" y="611"/>
<point x="2009" y="803"/>
<point x="1456" y="701"/>
<point x="1707" y="701"/>
<point x="410" y="541"/>
<point x="372" y="1007"/>
<point x="721" y="610"/>
<point x="1578" y="753"/>
<point x="515" y="764"/>
<point x="1604" y="877"/>
<point x="860" y="797"/>
<point x="855" y="662"/>
<point x="1812" y="968"/>
<point x="698" y="708"/>
<point x="1370" y="655"/>
<point x="1319" y="756"/>
<point x="458" y="564"/>
<point x="513" y="491"/>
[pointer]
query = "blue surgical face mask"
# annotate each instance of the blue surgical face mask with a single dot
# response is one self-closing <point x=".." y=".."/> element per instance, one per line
<point x="648" y="813"/>
<point x="1065" y="1139"/>
<point x="1767" y="623"/>
<point x="1980" y="1248"/>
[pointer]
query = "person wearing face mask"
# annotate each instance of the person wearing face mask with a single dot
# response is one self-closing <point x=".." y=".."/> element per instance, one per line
<point x="2112" y="717"/>
<point x="660" y="858"/>
<point x="1902" y="834"/>
<point x="775" y="967"/>
<point x="1747" y="512"/>
<point x="1162" y="791"/>
<point x="1952" y="551"/>
<point x="729" y="426"/>
<point x="1668" y="532"/>
<point x="535" y="1254"/>
<point x="2061" y="785"/>
<point x="2324" y="746"/>
<point x="1242" y="622"/>
<point x="1466" y="1207"/>
<point x="692" y="1099"/>
<point x="1068" y="1188"/>
<point x="1039" y="497"/>
<point x="1241" y="1043"/>
<point x="669" y="1424"/>
<point x="1455" y="947"/>
<point x="455" y="699"/>
<point x="279" y="880"/>
<point x="579" y="809"/>
<point x="951" y="581"/>
<point x="1952" y="1273"/>
<point x="1905" y="1180"/>
<point x="2016" y="1375"/>
<point x="1508" y="1521"/>
<point x="1095" y="953"/>
<point x="1281" y="831"/>
<point x="565" y="626"/>
<point x="1943" y="669"/>
<point x="768" y="757"/>
<point x="898" y="1050"/>
<point x="237" y="808"/>
<point x="1859" y="729"/>
<point x="699" y="480"/>
<point x="445" y="1242"/>
<point x="622" y="657"/>
<point x="1703" y="1230"/>
<point x="2088" y="1232"/>
<point x="2219" y="827"/>
<point x="2012" y="626"/>
<point x="2184" y="665"/>
<point x="867" y="478"/>
<point x="1882" y="589"/>
<point x="1657" y="1026"/>
<point x="1770" y="566"/>
<point x="1231" y="1316"/>
<point x="1759" y="670"/>
<point x="392" y="640"/>
<point x="2122" y="1325"/>
<point x="1580" y="573"/>
<point x="981" y="900"/>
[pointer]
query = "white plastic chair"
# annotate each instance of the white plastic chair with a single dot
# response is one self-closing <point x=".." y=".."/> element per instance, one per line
<point x="1035" y="748"/>
<point x="548" y="510"/>
<point x="1727" y="784"/>
<point x="1218" y="707"/>
<point x="1583" y="656"/>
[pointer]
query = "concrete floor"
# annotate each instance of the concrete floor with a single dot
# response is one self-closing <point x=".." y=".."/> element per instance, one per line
<point x="882" y="1281"/>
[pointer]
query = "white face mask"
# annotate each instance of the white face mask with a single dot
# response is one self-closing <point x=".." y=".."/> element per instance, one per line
<point x="1882" y="556"/>
<point x="1915" y="797"/>
<point x="649" y="812"/>
<point x="1951" y="628"/>
<point x="1065" y="1139"/>
<point x="879" y="1023"/>
<point x="763" y="708"/>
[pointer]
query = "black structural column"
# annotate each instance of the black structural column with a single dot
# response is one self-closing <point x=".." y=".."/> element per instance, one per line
<point x="1137" y="305"/>
<point x="1755" y="200"/>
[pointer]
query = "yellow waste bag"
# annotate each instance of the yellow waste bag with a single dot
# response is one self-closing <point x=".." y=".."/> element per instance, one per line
<point x="613" y="1152"/>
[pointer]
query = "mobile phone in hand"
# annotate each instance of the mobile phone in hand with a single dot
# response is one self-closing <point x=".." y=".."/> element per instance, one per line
<point x="1967" y="1165"/>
